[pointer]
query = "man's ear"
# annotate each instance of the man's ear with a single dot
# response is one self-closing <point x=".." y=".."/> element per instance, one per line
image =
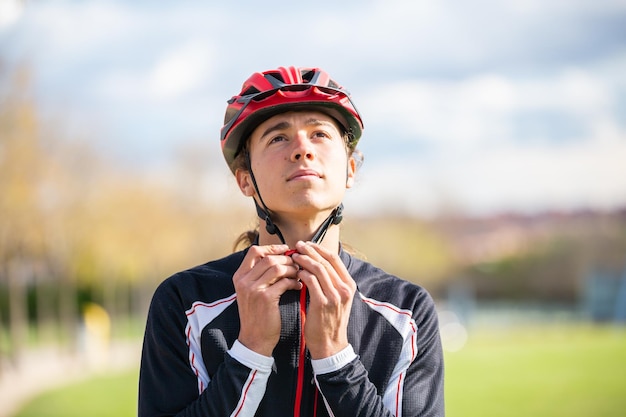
<point x="351" y="172"/>
<point x="244" y="181"/>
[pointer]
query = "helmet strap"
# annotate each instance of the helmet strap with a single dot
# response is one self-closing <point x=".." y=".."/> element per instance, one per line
<point x="335" y="217"/>
<point x="263" y="212"/>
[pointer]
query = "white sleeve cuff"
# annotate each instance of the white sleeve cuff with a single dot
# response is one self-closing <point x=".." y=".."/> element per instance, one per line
<point x="335" y="362"/>
<point x="250" y="358"/>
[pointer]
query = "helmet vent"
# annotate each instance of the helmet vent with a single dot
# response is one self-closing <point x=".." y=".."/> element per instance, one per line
<point x="250" y="90"/>
<point x="307" y="75"/>
<point x="276" y="75"/>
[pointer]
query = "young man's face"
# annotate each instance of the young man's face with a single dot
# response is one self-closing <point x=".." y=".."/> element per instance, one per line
<point x="300" y="163"/>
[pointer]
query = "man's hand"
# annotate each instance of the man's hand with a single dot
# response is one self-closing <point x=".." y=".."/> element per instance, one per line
<point x="331" y="291"/>
<point x="263" y="276"/>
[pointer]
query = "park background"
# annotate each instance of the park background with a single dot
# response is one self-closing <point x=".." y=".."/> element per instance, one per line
<point x="494" y="176"/>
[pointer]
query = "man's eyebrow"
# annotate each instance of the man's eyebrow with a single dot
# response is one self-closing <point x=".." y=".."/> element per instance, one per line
<point x="277" y="126"/>
<point x="317" y="122"/>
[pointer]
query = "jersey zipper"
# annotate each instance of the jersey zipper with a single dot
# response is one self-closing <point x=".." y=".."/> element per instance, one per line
<point x="301" y="355"/>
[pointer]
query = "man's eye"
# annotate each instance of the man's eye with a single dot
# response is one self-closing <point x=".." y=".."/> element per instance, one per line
<point x="321" y="135"/>
<point x="278" y="138"/>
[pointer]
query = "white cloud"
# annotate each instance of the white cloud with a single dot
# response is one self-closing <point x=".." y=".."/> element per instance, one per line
<point x="573" y="89"/>
<point x="481" y="154"/>
<point x="75" y="30"/>
<point x="178" y="71"/>
<point x="443" y="113"/>
<point x="10" y="12"/>
<point x="181" y="70"/>
<point x="482" y="110"/>
<point x="588" y="174"/>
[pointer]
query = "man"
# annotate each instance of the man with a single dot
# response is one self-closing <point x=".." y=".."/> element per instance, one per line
<point x="292" y="325"/>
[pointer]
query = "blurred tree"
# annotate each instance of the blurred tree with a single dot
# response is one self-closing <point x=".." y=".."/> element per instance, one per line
<point x="553" y="264"/>
<point x="407" y="247"/>
<point x="21" y="218"/>
<point x="40" y="196"/>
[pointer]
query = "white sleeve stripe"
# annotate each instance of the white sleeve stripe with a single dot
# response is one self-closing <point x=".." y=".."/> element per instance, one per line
<point x="402" y="320"/>
<point x="254" y="388"/>
<point x="245" y="407"/>
<point x="198" y="316"/>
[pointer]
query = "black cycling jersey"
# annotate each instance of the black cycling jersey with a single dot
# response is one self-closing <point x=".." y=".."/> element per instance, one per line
<point x="193" y="365"/>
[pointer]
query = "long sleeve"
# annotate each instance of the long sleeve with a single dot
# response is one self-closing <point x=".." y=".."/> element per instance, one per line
<point x="415" y="386"/>
<point x="168" y="384"/>
<point x="348" y="391"/>
<point x="424" y="382"/>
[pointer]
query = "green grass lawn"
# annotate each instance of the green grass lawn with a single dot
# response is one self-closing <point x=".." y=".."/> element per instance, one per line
<point x="529" y="371"/>
<point x="539" y="371"/>
<point x="102" y="396"/>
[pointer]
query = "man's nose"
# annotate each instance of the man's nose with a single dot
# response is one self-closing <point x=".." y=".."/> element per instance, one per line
<point x="303" y="148"/>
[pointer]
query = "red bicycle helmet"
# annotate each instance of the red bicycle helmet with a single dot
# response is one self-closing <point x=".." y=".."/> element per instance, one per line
<point x="267" y="93"/>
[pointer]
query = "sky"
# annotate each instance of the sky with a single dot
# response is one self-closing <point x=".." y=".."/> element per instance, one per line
<point x="469" y="106"/>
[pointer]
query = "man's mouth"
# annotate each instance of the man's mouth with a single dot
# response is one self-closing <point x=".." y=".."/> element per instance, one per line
<point x="304" y="173"/>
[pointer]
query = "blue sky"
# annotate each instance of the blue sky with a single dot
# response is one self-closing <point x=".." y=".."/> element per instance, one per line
<point x="475" y="106"/>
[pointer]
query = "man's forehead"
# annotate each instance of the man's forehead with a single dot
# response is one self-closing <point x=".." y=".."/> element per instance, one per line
<point x="289" y="119"/>
<point x="301" y="117"/>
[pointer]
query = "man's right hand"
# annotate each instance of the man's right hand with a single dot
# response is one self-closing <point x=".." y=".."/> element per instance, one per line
<point x="263" y="276"/>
